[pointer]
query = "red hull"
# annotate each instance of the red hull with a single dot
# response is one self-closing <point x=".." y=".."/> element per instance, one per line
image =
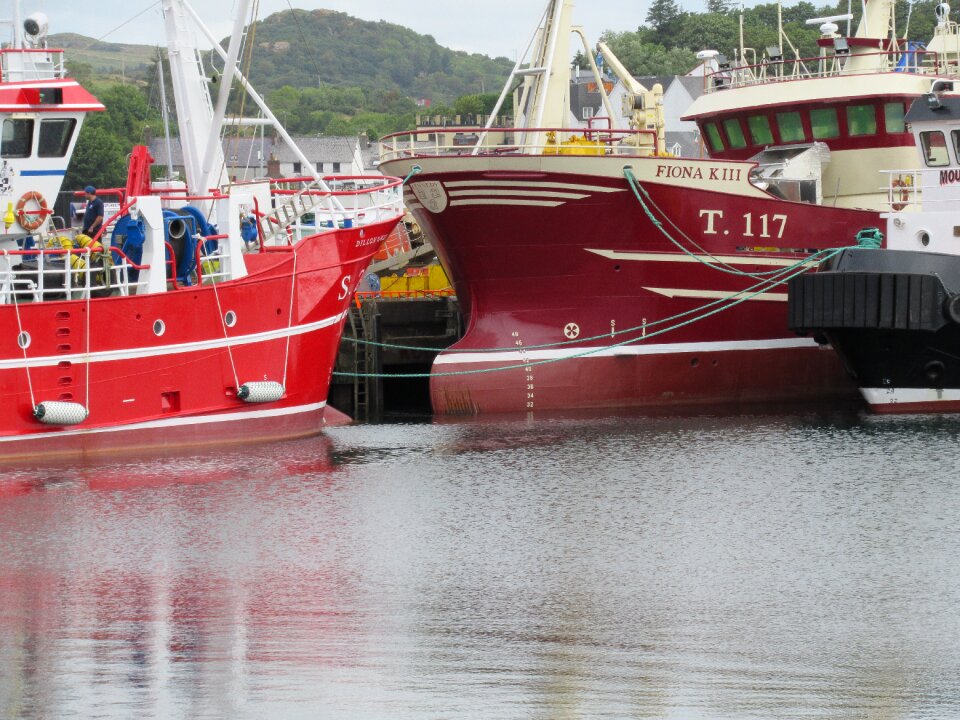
<point x="545" y="250"/>
<point x="180" y="387"/>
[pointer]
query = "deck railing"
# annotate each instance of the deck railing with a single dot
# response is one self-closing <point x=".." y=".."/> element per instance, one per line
<point x="39" y="274"/>
<point x="922" y="62"/>
<point x="520" y="141"/>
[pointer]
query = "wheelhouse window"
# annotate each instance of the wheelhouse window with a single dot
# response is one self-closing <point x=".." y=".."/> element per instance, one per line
<point x="55" y="137"/>
<point x="17" y="138"/>
<point x="760" y="133"/>
<point x="713" y="136"/>
<point x="934" y="146"/>
<point x="734" y="133"/>
<point x="824" y="124"/>
<point x="790" y="125"/>
<point x="861" y="120"/>
<point x="893" y="117"/>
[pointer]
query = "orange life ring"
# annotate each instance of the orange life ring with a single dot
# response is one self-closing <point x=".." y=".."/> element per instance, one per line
<point x="36" y="217"/>
<point x="904" y="193"/>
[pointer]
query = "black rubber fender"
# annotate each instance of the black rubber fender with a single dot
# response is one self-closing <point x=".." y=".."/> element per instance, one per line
<point x="951" y="308"/>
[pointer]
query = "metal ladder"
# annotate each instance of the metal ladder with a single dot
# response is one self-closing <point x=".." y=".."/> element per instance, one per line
<point x="277" y="221"/>
<point x="361" y="407"/>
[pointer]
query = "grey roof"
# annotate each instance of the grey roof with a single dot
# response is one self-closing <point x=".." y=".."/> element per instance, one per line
<point x="318" y="149"/>
<point x="245" y="149"/>
<point x="689" y="142"/>
<point x="922" y="110"/>
<point x="693" y="84"/>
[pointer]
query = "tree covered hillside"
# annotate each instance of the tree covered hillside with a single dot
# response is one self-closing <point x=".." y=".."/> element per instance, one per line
<point x="670" y="38"/>
<point x="310" y="48"/>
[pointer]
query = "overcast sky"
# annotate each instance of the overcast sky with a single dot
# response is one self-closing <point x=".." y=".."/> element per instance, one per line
<point x="491" y="27"/>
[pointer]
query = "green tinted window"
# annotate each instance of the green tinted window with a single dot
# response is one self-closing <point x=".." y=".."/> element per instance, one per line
<point x="734" y="133"/>
<point x="861" y="120"/>
<point x="823" y="123"/>
<point x="893" y="117"/>
<point x="760" y="130"/>
<point x="791" y="127"/>
<point x="713" y="137"/>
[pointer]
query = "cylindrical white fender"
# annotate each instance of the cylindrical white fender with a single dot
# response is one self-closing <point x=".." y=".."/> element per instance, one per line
<point x="261" y="392"/>
<point x="57" y="412"/>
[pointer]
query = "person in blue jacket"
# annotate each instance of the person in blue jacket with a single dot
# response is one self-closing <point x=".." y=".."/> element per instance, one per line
<point x="93" y="214"/>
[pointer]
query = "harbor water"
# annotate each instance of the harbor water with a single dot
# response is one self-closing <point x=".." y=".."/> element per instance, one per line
<point x="615" y="566"/>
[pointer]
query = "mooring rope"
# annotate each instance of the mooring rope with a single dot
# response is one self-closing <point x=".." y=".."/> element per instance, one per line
<point x="732" y="300"/>
<point x="767" y="283"/>
<point x="717" y="263"/>
<point x="293" y="285"/>
<point x="223" y="320"/>
<point x="21" y="340"/>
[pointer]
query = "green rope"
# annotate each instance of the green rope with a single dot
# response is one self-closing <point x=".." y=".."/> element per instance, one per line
<point x="413" y="171"/>
<point x="741" y="296"/>
<point x="766" y="283"/>
<point x="717" y="264"/>
<point x="866" y="238"/>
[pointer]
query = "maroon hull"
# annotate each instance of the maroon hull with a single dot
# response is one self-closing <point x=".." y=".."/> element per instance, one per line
<point x="572" y="260"/>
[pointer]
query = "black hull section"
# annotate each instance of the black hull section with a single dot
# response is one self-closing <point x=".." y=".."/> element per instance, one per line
<point x="893" y="316"/>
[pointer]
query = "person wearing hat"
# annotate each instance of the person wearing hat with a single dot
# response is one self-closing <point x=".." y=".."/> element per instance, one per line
<point x="93" y="214"/>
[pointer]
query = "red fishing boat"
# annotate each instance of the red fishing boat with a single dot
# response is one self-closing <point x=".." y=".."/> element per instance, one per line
<point x="594" y="270"/>
<point x="206" y="312"/>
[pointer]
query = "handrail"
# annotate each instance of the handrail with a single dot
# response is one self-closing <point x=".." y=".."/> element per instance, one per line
<point x="613" y="142"/>
<point x="124" y="208"/>
<point x="756" y="73"/>
<point x="361" y="295"/>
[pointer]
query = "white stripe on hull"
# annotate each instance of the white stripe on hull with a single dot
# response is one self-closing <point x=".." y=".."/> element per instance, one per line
<point x="183" y="421"/>
<point x="512" y="356"/>
<point x="684" y="258"/>
<point x="530" y="203"/>
<point x="483" y="183"/>
<point x="198" y="346"/>
<point x="716" y="294"/>
<point x="518" y="193"/>
<point x="896" y="396"/>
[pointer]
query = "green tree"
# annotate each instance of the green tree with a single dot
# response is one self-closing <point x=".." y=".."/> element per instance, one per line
<point x="663" y="15"/>
<point x="98" y="159"/>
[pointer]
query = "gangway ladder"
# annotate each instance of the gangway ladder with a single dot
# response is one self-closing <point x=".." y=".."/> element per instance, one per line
<point x="367" y="395"/>
<point x="286" y="214"/>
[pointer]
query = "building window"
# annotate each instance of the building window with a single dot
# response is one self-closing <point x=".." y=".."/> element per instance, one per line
<point x="734" y="133"/>
<point x="713" y="136"/>
<point x="320" y="168"/>
<point x="791" y="127"/>
<point x="934" y="148"/>
<point x="297" y="168"/>
<point x="760" y="132"/>
<point x="824" y="123"/>
<point x="55" y="137"/>
<point x="587" y="113"/>
<point x="336" y="167"/>
<point x="861" y="120"/>
<point x="17" y="140"/>
<point x="893" y="117"/>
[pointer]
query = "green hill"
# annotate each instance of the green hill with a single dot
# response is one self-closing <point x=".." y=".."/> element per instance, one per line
<point x="312" y="48"/>
<point x="307" y="48"/>
<point x="106" y="59"/>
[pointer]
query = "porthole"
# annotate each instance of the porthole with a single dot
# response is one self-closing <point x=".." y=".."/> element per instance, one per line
<point x="230" y="318"/>
<point x="924" y="238"/>
<point x="159" y="328"/>
<point x="23" y="340"/>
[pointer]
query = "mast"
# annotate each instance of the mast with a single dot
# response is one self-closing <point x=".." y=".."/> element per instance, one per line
<point x="165" y="113"/>
<point x="194" y="110"/>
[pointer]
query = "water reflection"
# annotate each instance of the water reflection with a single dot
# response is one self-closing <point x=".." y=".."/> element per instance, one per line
<point x="610" y="566"/>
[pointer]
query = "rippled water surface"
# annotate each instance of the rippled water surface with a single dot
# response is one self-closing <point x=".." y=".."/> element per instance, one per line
<point x="668" y="567"/>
